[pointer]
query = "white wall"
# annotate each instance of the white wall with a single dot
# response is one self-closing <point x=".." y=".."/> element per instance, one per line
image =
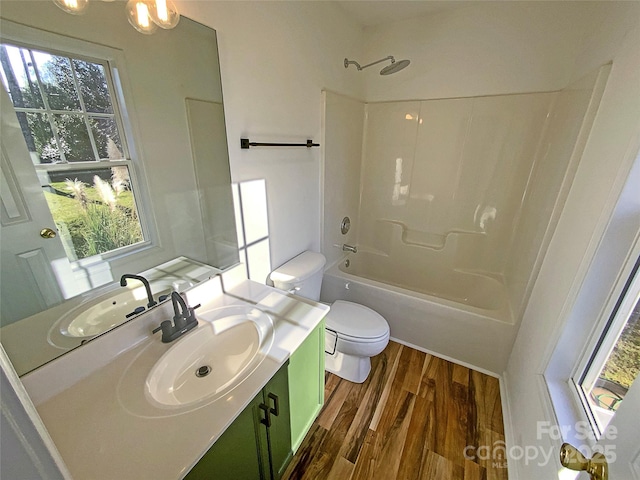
<point x="612" y="146"/>
<point x="275" y="58"/>
<point x="485" y="49"/>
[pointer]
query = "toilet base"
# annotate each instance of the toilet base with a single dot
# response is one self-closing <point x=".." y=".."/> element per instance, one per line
<point x="350" y="367"/>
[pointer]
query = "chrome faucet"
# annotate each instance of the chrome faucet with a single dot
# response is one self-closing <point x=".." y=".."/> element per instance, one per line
<point x="184" y="319"/>
<point x="145" y="282"/>
<point x="349" y="248"/>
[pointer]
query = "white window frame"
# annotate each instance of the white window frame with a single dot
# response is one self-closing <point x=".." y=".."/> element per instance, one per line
<point x="115" y="68"/>
<point x="603" y="285"/>
<point x="604" y="337"/>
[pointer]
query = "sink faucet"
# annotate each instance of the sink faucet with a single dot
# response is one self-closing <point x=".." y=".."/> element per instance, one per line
<point x="184" y="319"/>
<point x="145" y="282"/>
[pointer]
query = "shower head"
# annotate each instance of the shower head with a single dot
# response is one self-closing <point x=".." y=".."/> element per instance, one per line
<point x="388" y="70"/>
<point x="395" y="67"/>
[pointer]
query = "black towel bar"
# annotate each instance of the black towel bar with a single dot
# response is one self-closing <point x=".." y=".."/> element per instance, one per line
<point x="245" y="144"/>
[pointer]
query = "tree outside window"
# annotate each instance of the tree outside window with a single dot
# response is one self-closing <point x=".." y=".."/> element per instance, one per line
<point x="70" y="123"/>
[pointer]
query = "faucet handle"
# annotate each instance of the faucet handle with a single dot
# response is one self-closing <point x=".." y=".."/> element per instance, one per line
<point x="192" y="314"/>
<point x="165" y="327"/>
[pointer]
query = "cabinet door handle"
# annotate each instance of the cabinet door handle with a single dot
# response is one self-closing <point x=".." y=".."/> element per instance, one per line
<point x="267" y="417"/>
<point x="276" y="404"/>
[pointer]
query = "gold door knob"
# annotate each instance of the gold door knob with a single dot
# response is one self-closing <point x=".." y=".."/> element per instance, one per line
<point x="573" y="459"/>
<point x="47" y="233"/>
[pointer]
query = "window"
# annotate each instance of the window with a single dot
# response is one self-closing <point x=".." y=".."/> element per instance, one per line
<point x="71" y="124"/>
<point x="615" y="363"/>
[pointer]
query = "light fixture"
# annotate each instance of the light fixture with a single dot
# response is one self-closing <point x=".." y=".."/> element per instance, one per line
<point x="144" y="15"/>
<point x="74" y="7"/>
<point x="164" y="13"/>
<point x="139" y="16"/>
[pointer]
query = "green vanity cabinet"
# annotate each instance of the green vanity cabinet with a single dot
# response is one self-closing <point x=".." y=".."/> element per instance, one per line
<point x="306" y="384"/>
<point x="234" y="454"/>
<point x="277" y="416"/>
<point x="257" y="445"/>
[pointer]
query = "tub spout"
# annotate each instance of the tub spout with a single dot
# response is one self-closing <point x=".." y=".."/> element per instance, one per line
<point x="349" y="248"/>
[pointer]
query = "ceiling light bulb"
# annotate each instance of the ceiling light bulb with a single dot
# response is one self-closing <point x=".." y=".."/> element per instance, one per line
<point x="164" y="13"/>
<point x="74" y="7"/>
<point x="139" y="16"/>
<point x="161" y="10"/>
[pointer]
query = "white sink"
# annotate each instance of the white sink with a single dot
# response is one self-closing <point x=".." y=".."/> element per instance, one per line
<point x="211" y="360"/>
<point x="102" y="313"/>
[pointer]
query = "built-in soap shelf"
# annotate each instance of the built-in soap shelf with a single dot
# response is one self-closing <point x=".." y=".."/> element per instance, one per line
<point x="432" y="241"/>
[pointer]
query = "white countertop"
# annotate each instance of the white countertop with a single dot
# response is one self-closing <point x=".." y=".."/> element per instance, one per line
<point x="93" y="404"/>
<point x="36" y="340"/>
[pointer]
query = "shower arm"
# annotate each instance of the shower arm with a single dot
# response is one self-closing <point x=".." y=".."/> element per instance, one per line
<point x="348" y="62"/>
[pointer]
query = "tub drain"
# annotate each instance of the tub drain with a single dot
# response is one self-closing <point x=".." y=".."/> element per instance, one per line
<point x="203" y="371"/>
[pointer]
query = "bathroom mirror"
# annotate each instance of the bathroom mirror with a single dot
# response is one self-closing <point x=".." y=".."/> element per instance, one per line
<point x="165" y="107"/>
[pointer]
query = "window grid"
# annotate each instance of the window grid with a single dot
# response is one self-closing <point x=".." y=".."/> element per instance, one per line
<point x="50" y="112"/>
<point x="113" y="113"/>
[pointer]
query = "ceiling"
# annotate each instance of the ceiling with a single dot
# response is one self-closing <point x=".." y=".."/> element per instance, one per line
<point x="370" y="13"/>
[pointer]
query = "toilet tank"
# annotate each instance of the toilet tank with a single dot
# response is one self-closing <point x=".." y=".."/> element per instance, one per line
<point x="301" y="275"/>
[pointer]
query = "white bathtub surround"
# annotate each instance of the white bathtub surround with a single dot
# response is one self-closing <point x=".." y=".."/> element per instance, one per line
<point x="446" y="328"/>
<point x="343" y="128"/>
<point x="92" y="399"/>
<point x="458" y="200"/>
<point x="474" y="292"/>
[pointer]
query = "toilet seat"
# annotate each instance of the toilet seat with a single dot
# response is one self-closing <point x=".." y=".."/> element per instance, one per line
<point x="356" y="322"/>
<point x="353" y="334"/>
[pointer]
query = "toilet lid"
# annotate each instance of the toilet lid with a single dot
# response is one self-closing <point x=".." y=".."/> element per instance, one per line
<point x="356" y="320"/>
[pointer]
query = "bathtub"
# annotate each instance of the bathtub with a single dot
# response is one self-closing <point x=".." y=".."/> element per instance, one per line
<point x="458" y="315"/>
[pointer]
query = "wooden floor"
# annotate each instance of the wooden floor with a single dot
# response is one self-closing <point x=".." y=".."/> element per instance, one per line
<point x="415" y="417"/>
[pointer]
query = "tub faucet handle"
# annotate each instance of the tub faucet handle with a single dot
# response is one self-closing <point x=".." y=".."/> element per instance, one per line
<point x="293" y="290"/>
<point x="349" y="248"/>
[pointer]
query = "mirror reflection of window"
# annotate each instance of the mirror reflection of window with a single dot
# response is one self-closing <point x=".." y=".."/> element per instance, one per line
<point x="140" y="112"/>
<point x="68" y="117"/>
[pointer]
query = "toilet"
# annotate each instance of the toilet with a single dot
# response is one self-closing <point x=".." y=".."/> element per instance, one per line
<point x="353" y="333"/>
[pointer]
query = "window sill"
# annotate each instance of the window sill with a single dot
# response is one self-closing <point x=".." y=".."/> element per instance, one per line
<point x="572" y="421"/>
<point x="96" y="271"/>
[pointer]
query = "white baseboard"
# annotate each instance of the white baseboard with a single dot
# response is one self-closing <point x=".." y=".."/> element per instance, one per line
<point x="447" y="358"/>
<point x="509" y="437"/>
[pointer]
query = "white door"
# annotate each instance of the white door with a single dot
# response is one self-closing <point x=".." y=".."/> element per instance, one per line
<point x="29" y="261"/>
<point x="622" y="438"/>
<point x="619" y="443"/>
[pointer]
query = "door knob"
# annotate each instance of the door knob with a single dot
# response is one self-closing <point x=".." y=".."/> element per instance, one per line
<point x="47" y="233"/>
<point x="573" y="459"/>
